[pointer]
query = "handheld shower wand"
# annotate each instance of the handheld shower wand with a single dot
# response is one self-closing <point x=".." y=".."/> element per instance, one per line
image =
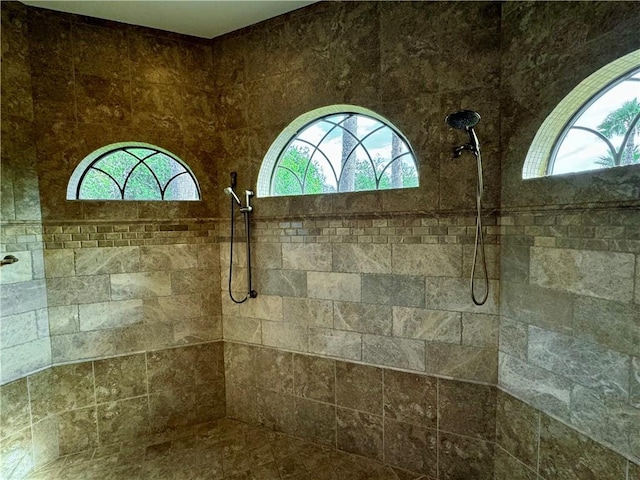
<point x="466" y="120"/>
<point x="245" y="210"/>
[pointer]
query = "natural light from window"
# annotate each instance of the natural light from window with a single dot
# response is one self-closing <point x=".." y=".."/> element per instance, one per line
<point x="339" y="152"/>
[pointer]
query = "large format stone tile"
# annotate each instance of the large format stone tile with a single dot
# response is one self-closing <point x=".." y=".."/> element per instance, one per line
<point x="582" y="362"/>
<point x="16" y="457"/>
<point x="265" y="307"/>
<point x="314" y="378"/>
<point x="315" y="421"/>
<point x="314" y="257"/>
<point x="77" y="430"/>
<point x="467" y="409"/>
<point x="274" y="370"/>
<point x="59" y="263"/>
<point x="410" y="398"/>
<point x="171" y="369"/>
<point x="171" y="308"/>
<point x="411" y="447"/>
<point x="606" y="419"/>
<point x="614" y="325"/>
<point x="464" y="457"/>
<point x="105" y="315"/>
<point x="334" y="286"/>
<point x="361" y="317"/>
<point x="432" y="325"/>
<point x="429" y="260"/>
<point x="97" y="261"/>
<point x="285" y="335"/>
<point x="17" y="329"/>
<point x="545" y="390"/>
<point x="598" y="274"/>
<point x="23" y="297"/>
<point x="335" y="343"/>
<point x="359" y="387"/>
<point x="83" y="345"/>
<point x="360" y="433"/>
<point x="508" y="467"/>
<point x="453" y="294"/>
<point x="276" y="411"/>
<point x="480" y="330"/>
<point x="400" y="290"/>
<point x="394" y="352"/>
<point x="308" y="311"/>
<point x="517" y="429"/>
<point x="169" y="257"/>
<point x="85" y="289"/>
<point x="127" y="286"/>
<point x="566" y="454"/>
<point x="120" y="377"/>
<point x="63" y="319"/>
<point x="242" y="329"/>
<point x="22" y="271"/>
<point x="461" y="361"/>
<point x="513" y="338"/>
<point x="286" y="283"/>
<point x="123" y="420"/>
<point x="361" y="258"/>
<point x="544" y="307"/>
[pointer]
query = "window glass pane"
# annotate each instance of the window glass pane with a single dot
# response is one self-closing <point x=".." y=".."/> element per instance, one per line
<point x="182" y="187"/>
<point x="140" y="153"/>
<point x="164" y="167"/>
<point x="98" y="186"/>
<point x="286" y="183"/>
<point x="142" y="185"/>
<point x="595" y="139"/>
<point x="118" y="164"/>
<point x="348" y="149"/>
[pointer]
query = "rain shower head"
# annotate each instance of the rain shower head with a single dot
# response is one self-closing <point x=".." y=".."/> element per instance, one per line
<point x="463" y="119"/>
<point x="229" y="191"/>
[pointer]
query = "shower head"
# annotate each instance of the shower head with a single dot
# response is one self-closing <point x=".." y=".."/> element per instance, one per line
<point x="463" y="119"/>
<point x="229" y="191"/>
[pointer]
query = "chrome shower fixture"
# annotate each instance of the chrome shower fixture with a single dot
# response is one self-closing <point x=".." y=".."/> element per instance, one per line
<point x="247" y="195"/>
<point x="465" y="120"/>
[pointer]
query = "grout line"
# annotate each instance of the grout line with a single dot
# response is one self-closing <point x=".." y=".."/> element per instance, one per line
<point x="95" y="403"/>
<point x="538" y="449"/>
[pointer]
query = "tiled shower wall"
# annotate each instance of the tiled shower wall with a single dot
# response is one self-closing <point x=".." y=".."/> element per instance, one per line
<point x="24" y="345"/>
<point x="220" y="108"/>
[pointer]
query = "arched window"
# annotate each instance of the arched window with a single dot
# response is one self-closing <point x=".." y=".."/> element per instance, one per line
<point x="596" y="126"/>
<point x="341" y="148"/>
<point x="132" y="171"/>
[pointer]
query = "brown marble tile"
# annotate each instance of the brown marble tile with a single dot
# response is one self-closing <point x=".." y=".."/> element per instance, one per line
<point x="45" y="441"/>
<point x="467" y="408"/>
<point x="359" y="387"/>
<point x="239" y="361"/>
<point x="61" y="388"/>
<point x="53" y="98"/>
<point x="314" y="378"/>
<point x="77" y="430"/>
<point x="157" y="104"/>
<point x="508" y="467"/>
<point x="360" y="433"/>
<point x="274" y="370"/>
<point x="102" y="100"/>
<point x="210" y="401"/>
<point x="14" y="407"/>
<point x="568" y="455"/>
<point x="410" y="447"/>
<point x="209" y="366"/>
<point x="120" y="377"/>
<point x="171" y="369"/>
<point x="154" y="59"/>
<point x="410" y="398"/>
<point x="276" y="411"/>
<point x="123" y="420"/>
<point x="464" y="457"/>
<point x="241" y="403"/>
<point x="634" y="471"/>
<point x="517" y="429"/>
<point x="315" y="421"/>
<point x="99" y="51"/>
<point x="171" y="409"/>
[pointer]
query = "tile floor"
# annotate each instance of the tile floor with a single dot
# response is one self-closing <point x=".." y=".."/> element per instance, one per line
<point x="225" y="449"/>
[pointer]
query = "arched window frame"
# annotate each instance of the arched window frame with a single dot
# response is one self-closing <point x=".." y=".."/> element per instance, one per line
<point x="540" y="158"/>
<point x="81" y="170"/>
<point x="290" y="133"/>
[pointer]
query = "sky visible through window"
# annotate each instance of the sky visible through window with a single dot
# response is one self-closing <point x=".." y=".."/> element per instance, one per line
<point x="318" y="159"/>
<point x="582" y="150"/>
